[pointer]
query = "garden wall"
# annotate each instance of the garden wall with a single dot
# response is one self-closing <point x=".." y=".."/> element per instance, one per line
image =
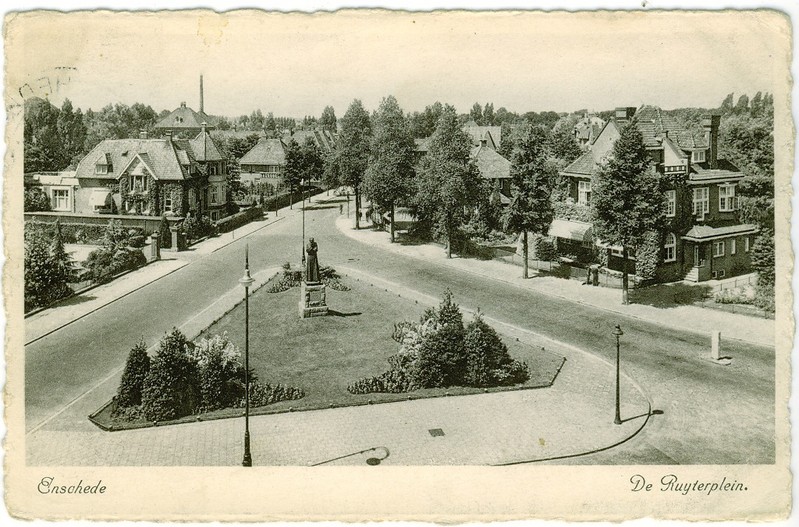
<point x="148" y="224"/>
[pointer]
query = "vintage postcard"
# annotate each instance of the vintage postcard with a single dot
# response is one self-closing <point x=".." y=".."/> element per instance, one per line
<point x="373" y="265"/>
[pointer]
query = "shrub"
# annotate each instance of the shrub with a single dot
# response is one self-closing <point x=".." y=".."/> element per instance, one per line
<point x="738" y="295"/>
<point x="263" y="394"/>
<point x="441" y="360"/>
<point x="171" y="386"/>
<point x="164" y="234"/>
<point x="136" y="369"/>
<point x="36" y="200"/>
<point x="45" y="279"/>
<point x="221" y="373"/>
<point x="488" y="361"/>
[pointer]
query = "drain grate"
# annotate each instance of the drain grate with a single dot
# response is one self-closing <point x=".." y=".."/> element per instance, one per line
<point x="436" y="432"/>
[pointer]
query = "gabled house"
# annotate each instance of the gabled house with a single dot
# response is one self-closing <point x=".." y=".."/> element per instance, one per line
<point x="490" y="136"/>
<point x="185" y="122"/>
<point x="152" y="177"/>
<point x="494" y="168"/>
<point x="264" y="163"/>
<point x="704" y="239"/>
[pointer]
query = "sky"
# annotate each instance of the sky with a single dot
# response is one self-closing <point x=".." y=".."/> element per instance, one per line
<point x="296" y="64"/>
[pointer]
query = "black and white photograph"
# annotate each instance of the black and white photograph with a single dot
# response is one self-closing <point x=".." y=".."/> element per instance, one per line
<point x="540" y="248"/>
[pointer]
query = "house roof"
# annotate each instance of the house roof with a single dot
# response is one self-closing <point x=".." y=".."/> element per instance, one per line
<point x="204" y="148"/>
<point x="583" y="165"/>
<point x="167" y="159"/>
<point x="422" y="144"/>
<point x="571" y="230"/>
<point x="265" y="152"/>
<point x="724" y="170"/>
<point x="325" y="140"/>
<point x="705" y="232"/>
<point x="184" y="117"/>
<point x="491" y="134"/>
<point x="654" y="124"/>
<point x="491" y="164"/>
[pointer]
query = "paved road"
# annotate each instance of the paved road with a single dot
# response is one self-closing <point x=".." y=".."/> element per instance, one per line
<point x="712" y="414"/>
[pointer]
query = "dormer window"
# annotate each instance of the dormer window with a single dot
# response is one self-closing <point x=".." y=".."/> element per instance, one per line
<point x="698" y="156"/>
<point x="103" y="164"/>
<point x="100" y="169"/>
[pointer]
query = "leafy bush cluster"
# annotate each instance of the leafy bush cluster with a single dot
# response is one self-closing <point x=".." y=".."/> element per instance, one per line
<point x="36" y="200"/>
<point x="440" y="352"/>
<point x="197" y="228"/>
<point x="184" y="378"/>
<point x="294" y="277"/>
<point x="48" y="268"/>
<point x="737" y="295"/>
<point x="83" y="233"/>
<point x="121" y="251"/>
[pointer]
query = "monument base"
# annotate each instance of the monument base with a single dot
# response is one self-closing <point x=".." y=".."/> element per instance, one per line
<point x="313" y="300"/>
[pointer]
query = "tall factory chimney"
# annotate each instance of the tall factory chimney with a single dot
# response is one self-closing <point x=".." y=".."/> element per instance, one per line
<point x="201" y="95"/>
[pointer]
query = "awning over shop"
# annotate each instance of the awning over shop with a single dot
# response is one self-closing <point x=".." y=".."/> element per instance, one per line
<point x="99" y="198"/>
<point x="571" y="230"/>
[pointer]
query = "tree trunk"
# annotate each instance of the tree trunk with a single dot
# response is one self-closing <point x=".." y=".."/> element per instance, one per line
<point x="524" y="253"/>
<point x="449" y="239"/>
<point x="291" y="198"/>
<point x="357" y="209"/>
<point x="392" y="223"/>
<point x="625" y="299"/>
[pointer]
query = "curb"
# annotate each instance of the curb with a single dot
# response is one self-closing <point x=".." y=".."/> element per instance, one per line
<point x="555" y="295"/>
<point x="103" y="305"/>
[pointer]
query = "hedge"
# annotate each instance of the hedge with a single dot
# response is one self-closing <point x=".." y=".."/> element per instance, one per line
<point x="239" y="219"/>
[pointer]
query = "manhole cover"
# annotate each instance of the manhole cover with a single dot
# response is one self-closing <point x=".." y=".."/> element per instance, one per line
<point x="372" y="461"/>
<point x="436" y="432"/>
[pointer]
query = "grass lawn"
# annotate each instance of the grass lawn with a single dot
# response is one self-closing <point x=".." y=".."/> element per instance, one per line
<point x="323" y="355"/>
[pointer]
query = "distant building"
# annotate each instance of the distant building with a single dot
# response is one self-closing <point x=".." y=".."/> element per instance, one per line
<point x="704" y="239"/>
<point x="185" y="122"/>
<point x="264" y="163"/>
<point x="490" y="136"/>
<point x="324" y="139"/>
<point x="494" y="168"/>
<point x="587" y="129"/>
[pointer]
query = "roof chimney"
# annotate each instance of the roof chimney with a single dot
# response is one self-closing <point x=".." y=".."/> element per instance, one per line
<point x="710" y="123"/>
<point x="183" y="104"/>
<point x="201" y="95"/>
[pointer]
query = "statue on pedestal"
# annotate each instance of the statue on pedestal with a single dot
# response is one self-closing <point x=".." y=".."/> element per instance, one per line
<point x="312" y="263"/>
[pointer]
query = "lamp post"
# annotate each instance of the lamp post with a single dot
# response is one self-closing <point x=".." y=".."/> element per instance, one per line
<point x="246" y="281"/>
<point x="617" y="332"/>
<point x="302" y="191"/>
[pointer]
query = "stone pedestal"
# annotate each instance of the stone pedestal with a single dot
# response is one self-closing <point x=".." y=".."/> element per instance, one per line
<point x="313" y="301"/>
<point x="155" y="247"/>
<point x="715" y="345"/>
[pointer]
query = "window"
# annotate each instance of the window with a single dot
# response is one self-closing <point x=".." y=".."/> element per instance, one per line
<point x="718" y="248"/>
<point x="670" y="248"/>
<point x="698" y="156"/>
<point x="101" y="169"/>
<point x="212" y="169"/>
<point x="726" y="198"/>
<point x="60" y="199"/>
<point x="746" y="244"/>
<point x="733" y="246"/>
<point x="584" y="193"/>
<point x="167" y="205"/>
<point x="214" y="194"/>
<point x="671" y="203"/>
<point x="701" y="202"/>
<point x="138" y="183"/>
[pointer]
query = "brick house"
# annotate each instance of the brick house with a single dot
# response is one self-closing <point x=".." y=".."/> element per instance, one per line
<point x="704" y="239"/>
<point x="151" y="177"/>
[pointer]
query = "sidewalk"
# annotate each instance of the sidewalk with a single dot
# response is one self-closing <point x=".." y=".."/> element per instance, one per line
<point x="74" y="308"/>
<point x="685" y="317"/>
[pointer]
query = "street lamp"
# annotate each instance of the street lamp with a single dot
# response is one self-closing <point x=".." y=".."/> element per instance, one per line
<point x="617" y="332"/>
<point x="302" y="193"/>
<point x="246" y="281"/>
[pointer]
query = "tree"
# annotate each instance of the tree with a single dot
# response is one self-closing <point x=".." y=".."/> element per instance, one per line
<point x="257" y="120"/>
<point x="170" y="389"/>
<point x="448" y="181"/>
<point x="389" y="176"/>
<point x="137" y="367"/>
<point x="44" y="283"/>
<point x="36" y="200"/>
<point x="726" y="104"/>
<point x="43" y="150"/>
<point x="313" y="164"/>
<point x="488" y="114"/>
<point x="530" y="209"/>
<point x="294" y="171"/>
<point x="352" y="155"/>
<point x="742" y="106"/>
<point x="476" y="114"/>
<point x="72" y="133"/>
<point x="763" y="259"/>
<point x="62" y="261"/>
<point x="328" y="119"/>
<point x="270" y="125"/>
<point x="627" y="199"/>
<point x="563" y="146"/>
